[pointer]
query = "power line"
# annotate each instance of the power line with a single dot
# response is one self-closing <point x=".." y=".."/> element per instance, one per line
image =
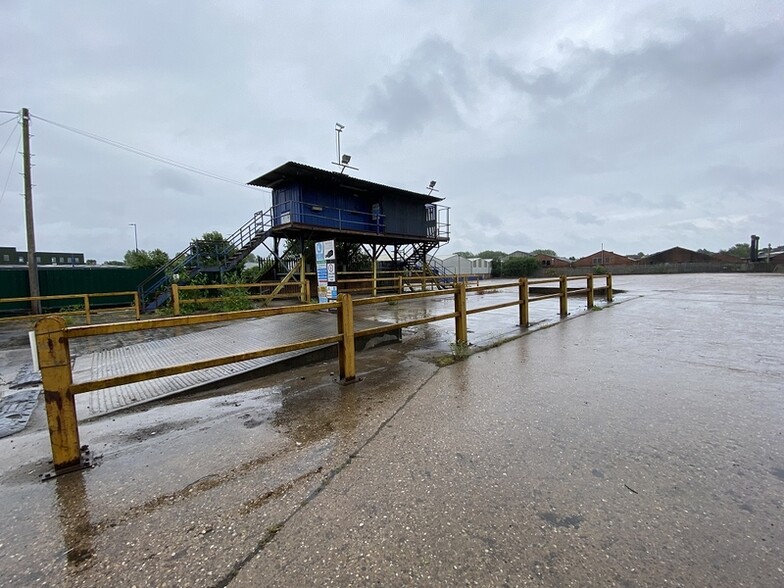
<point x="5" y="122"/>
<point x="6" y="141"/>
<point x="142" y="153"/>
<point x="10" y="169"/>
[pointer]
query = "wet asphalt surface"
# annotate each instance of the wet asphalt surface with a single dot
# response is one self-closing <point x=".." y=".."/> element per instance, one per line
<point x="639" y="445"/>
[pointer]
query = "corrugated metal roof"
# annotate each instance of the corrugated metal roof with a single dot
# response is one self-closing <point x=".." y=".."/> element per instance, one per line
<point x="299" y="171"/>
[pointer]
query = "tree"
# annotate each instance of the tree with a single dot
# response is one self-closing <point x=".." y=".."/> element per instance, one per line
<point x="146" y="259"/>
<point x="212" y="248"/>
<point x="489" y="254"/>
<point x="495" y="267"/>
<point x="349" y="256"/>
<point x="742" y="250"/>
<point x="549" y="252"/>
<point x="518" y="267"/>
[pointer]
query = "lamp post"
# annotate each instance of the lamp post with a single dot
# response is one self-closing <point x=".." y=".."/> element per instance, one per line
<point x="135" y="236"/>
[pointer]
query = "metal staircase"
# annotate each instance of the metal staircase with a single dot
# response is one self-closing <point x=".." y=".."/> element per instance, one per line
<point x="205" y="256"/>
<point x="419" y="258"/>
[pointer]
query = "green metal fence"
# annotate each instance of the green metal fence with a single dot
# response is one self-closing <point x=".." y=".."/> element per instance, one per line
<point x="70" y="280"/>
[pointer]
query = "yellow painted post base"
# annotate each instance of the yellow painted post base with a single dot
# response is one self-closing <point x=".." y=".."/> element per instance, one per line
<point x="54" y="359"/>
<point x="346" y="350"/>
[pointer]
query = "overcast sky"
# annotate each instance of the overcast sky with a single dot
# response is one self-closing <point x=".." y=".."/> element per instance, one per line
<point x="560" y="125"/>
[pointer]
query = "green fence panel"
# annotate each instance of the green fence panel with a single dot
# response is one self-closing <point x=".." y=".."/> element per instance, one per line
<point x="72" y="280"/>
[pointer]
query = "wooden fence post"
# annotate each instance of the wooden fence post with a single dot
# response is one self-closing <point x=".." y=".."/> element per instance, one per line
<point x="87" y="309"/>
<point x="137" y="305"/>
<point x="609" y="289"/>
<point x="589" y="287"/>
<point x="563" y="297"/>
<point x="176" y="299"/>
<point x="523" y="297"/>
<point x="461" y="322"/>
<point x="346" y="351"/>
<point x="54" y="359"/>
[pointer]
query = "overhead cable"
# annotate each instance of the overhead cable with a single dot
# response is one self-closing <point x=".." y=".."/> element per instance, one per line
<point x="146" y="154"/>
<point x="6" y="141"/>
<point x="10" y="169"/>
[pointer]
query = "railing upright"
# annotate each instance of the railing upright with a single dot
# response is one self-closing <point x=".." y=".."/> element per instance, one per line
<point x="176" y="298"/>
<point x="346" y="353"/>
<point x="589" y="287"/>
<point x="564" y="310"/>
<point x="54" y="360"/>
<point x="609" y="288"/>
<point x="523" y="293"/>
<point x="461" y="322"/>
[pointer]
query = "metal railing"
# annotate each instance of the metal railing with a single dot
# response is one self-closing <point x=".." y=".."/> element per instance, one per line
<point x="299" y="290"/>
<point x="53" y="336"/>
<point x="84" y="301"/>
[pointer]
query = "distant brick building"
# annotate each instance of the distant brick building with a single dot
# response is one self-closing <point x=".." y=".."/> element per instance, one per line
<point x="677" y="255"/>
<point x="726" y="258"/>
<point x="550" y="261"/>
<point x="603" y="258"/>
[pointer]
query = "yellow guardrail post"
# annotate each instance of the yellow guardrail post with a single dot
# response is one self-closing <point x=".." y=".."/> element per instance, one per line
<point x="608" y="290"/>
<point x="346" y="351"/>
<point x="563" y="298"/>
<point x="589" y="287"/>
<point x="461" y="320"/>
<point x="87" y="308"/>
<point x="400" y="284"/>
<point x="523" y="293"/>
<point x="176" y="299"/>
<point x="137" y="305"/>
<point x="302" y="292"/>
<point x="54" y="359"/>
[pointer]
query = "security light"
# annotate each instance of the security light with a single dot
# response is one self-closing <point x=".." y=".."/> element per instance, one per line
<point x="345" y="159"/>
<point x="431" y="187"/>
<point x="432" y="184"/>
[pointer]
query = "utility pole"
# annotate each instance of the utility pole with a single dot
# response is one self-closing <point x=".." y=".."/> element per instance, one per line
<point x="32" y="262"/>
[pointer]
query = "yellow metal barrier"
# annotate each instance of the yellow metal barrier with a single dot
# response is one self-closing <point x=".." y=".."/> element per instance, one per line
<point x="53" y="336"/>
<point x="85" y="301"/>
<point x="302" y="292"/>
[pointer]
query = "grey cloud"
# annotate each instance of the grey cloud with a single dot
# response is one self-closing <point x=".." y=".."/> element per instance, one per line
<point x="556" y="213"/>
<point x="173" y="181"/>
<point x="430" y="86"/>
<point x="588" y="218"/>
<point x="707" y="53"/>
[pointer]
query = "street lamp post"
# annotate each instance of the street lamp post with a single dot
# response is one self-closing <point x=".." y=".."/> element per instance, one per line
<point x="135" y="236"/>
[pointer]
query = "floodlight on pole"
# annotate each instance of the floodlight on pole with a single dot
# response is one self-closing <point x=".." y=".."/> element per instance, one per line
<point x="135" y="236"/>
<point x="431" y="187"/>
<point x="341" y="160"/>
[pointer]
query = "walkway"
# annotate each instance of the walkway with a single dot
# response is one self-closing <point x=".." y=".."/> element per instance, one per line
<point x="232" y="338"/>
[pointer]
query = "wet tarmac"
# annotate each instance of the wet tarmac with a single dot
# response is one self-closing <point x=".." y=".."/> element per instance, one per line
<point x="639" y="445"/>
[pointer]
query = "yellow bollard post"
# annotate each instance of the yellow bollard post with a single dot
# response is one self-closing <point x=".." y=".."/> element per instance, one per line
<point x="400" y="284"/>
<point x="54" y="359"/>
<point x="608" y="290"/>
<point x="176" y="299"/>
<point x="346" y="351"/>
<point x="87" y="309"/>
<point x="461" y="320"/>
<point x="302" y="292"/>
<point x="589" y="287"/>
<point x="523" y="296"/>
<point x="563" y="297"/>
<point x="137" y="305"/>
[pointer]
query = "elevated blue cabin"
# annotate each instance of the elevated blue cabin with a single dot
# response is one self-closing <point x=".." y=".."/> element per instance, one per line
<point x="330" y="203"/>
